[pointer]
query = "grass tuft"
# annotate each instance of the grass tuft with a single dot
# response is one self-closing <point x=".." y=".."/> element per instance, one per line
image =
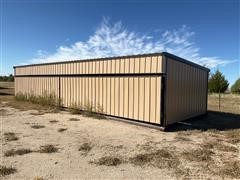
<point x="20" y="152"/>
<point x="74" y="119"/>
<point x="85" y="148"/>
<point x="62" y="129"/>
<point x="49" y="148"/>
<point x="37" y="126"/>
<point x="4" y="171"/>
<point x="10" y="136"/>
<point x="159" y="158"/>
<point x="108" y="161"/>
<point x="53" y="121"/>
<point x="88" y="110"/>
<point x="46" y="99"/>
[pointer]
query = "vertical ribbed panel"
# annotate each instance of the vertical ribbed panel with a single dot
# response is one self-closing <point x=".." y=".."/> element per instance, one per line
<point x="186" y="91"/>
<point x="133" y="97"/>
<point x="151" y="64"/>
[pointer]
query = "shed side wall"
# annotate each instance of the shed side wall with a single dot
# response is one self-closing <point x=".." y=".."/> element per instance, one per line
<point x="186" y="93"/>
<point x="132" y="89"/>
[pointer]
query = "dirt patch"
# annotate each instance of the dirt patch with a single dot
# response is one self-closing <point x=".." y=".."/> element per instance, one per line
<point x="119" y="150"/>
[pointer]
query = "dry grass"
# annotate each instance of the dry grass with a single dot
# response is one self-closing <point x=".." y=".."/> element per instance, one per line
<point x="88" y="111"/>
<point x="182" y="138"/>
<point x="232" y="136"/>
<point x="49" y="148"/>
<point x="4" y="171"/>
<point x="39" y="113"/>
<point x="62" y="129"/>
<point x="38" y="178"/>
<point x="26" y="105"/>
<point x="36" y="126"/>
<point x="49" y="100"/>
<point x="85" y="148"/>
<point x="108" y="161"/>
<point x="229" y="103"/>
<point x="20" y="152"/>
<point x="218" y="145"/>
<point x="230" y="169"/>
<point x="161" y="158"/>
<point x="198" y="155"/>
<point x="10" y="136"/>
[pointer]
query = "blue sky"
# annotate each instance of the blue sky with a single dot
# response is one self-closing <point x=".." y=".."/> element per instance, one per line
<point x="206" y="32"/>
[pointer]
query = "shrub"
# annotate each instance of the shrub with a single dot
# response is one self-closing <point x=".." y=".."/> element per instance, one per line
<point x="21" y="97"/>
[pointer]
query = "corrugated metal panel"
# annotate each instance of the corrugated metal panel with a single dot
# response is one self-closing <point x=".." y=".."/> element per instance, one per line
<point x="186" y="91"/>
<point x="123" y="65"/>
<point x="133" y="97"/>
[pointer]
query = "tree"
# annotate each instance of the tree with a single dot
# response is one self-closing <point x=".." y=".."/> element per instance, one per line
<point x="9" y="78"/>
<point x="236" y="86"/>
<point x="217" y="84"/>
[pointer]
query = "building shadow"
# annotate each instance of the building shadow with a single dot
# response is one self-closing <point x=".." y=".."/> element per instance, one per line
<point x="213" y="120"/>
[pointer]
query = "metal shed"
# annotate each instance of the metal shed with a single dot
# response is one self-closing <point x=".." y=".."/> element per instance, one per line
<point x="158" y="88"/>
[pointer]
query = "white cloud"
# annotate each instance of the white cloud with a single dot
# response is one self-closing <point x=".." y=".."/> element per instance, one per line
<point x="115" y="40"/>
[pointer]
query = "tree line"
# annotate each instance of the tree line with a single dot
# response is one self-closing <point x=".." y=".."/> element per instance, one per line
<point x="217" y="83"/>
<point x="9" y="78"/>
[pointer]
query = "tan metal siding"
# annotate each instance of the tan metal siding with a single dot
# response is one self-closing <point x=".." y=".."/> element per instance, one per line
<point x="186" y="91"/>
<point x="122" y="65"/>
<point x="133" y="97"/>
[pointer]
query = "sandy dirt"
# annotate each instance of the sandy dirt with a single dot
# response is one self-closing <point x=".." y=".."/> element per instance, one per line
<point x="131" y="145"/>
